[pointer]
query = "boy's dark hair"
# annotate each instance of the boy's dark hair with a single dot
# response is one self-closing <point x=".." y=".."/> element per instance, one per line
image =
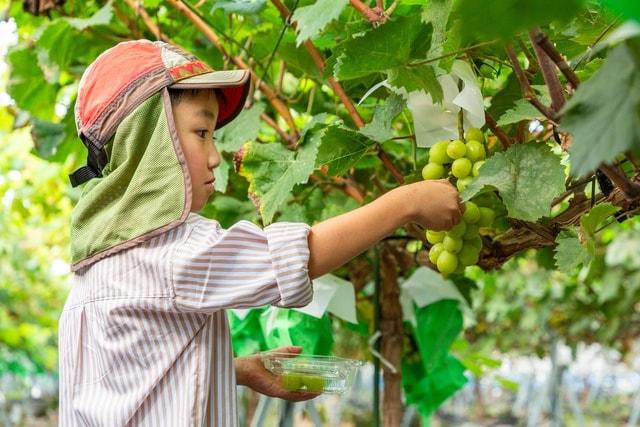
<point x="176" y="95"/>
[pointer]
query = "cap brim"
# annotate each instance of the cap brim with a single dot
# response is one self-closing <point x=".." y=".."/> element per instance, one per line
<point x="234" y="84"/>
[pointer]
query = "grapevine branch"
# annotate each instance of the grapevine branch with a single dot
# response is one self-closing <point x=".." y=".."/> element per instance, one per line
<point x="527" y="90"/>
<point x="550" y="77"/>
<point x="630" y="189"/>
<point x="375" y="15"/>
<point x="340" y="93"/>
<point x="540" y="39"/>
<point x="497" y="130"/>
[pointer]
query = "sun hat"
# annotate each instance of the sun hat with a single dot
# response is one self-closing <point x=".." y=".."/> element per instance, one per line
<point x="122" y="77"/>
<point x="137" y="183"/>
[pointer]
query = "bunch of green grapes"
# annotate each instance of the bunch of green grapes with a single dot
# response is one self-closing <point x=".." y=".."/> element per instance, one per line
<point x="459" y="161"/>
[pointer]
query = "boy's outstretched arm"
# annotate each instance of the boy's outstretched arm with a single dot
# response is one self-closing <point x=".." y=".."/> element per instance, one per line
<point x="433" y="204"/>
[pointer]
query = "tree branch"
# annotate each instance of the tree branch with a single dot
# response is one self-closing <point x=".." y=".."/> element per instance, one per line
<point x="375" y="15"/>
<point x="550" y="77"/>
<point x="497" y="130"/>
<point x="540" y="39"/>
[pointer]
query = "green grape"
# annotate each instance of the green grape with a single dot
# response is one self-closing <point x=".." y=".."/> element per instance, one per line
<point x="474" y="134"/>
<point x="456" y="149"/>
<point x="475" y="151"/>
<point x="458" y="230"/>
<point x="487" y="215"/>
<point x="472" y="231"/>
<point x="452" y="244"/>
<point x="432" y="171"/>
<point x="461" y="167"/>
<point x="460" y="268"/>
<point x="468" y="255"/>
<point x="291" y="381"/>
<point x="313" y="383"/>
<point x="476" y="167"/>
<point x="471" y="213"/>
<point x="438" y="153"/>
<point x="476" y="243"/>
<point x="447" y="263"/>
<point x="483" y="200"/>
<point x="462" y="183"/>
<point x="435" y="252"/>
<point x="434" y="237"/>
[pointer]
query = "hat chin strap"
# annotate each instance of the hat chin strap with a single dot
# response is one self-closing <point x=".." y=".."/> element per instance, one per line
<point x="96" y="160"/>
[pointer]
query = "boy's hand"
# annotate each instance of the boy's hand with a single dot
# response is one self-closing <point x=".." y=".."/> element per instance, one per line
<point x="251" y="372"/>
<point x="435" y="205"/>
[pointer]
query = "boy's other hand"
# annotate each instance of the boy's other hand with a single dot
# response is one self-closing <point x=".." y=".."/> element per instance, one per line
<point x="251" y="372"/>
<point x="435" y="204"/>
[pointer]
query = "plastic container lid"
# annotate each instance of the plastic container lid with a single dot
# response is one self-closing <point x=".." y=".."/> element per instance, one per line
<point x="305" y="372"/>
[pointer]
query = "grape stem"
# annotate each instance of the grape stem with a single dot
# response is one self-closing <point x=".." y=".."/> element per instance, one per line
<point x="497" y="130"/>
<point x="376" y="15"/>
<point x="547" y="66"/>
<point x="540" y="39"/>
<point x="527" y="90"/>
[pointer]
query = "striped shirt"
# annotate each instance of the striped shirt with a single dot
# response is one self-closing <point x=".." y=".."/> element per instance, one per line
<point x="143" y="336"/>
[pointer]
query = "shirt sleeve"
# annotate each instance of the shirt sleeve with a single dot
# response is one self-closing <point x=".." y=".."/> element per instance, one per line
<point x="242" y="267"/>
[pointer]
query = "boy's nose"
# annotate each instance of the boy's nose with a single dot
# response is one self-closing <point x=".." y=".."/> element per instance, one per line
<point x="214" y="157"/>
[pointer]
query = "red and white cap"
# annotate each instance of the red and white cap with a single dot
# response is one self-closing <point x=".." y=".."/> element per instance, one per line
<point x="124" y="76"/>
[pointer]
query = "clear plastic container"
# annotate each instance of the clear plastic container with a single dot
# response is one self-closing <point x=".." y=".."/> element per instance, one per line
<point x="318" y="374"/>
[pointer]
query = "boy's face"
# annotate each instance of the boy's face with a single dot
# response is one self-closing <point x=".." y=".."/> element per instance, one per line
<point x="195" y="116"/>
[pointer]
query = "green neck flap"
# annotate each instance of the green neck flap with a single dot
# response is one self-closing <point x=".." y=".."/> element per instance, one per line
<point x="145" y="189"/>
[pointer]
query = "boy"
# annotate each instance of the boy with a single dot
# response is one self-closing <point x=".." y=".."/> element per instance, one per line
<point x="143" y="335"/>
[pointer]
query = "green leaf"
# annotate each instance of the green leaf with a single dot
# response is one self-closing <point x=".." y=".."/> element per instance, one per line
<point x="313" y="18"/>
<point x="515" y="173"/>
<point x="417" y="78"/>
<point x="380" y="127"/>
<point x="522" y="110"/>
<point x="101" y="17"/>
<point x="243" y="128"/>
<point x="242" y="7"/>
<point x="47" y="136"/>
<point x="273" y="171"/>
<point x="436" y="13"/>
<point x="627" y="8"/>
<point x="387" y="46"/>
<point x="221" y="174"/>
<point x="341" y="149"/>
<point x="604" y="113"/>
<point x="591" y="221"/>
<point x="569" y="252"/>
<point x="58" y="40"/>
<point x="509" y="17"/>
<point x="507" y="383"/>
<point x="27" y="85"/>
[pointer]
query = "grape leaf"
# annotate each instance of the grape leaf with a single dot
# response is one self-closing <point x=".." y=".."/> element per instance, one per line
<point x="341" y="148"/>
<point x="417" y="78"/>
<point x="221" y="174"/>
<point x="591" y="221"/>
<point x="509" y="17"/>
<point x="627" y="8"/>
<point x="242" y="7"/>
<point x="436" y="13"/>
<point x="569" y="252"/>
<point x="528" y="177"/>
<point x="27" y="85"/>
<point x="604" y="113"/>
<point x="387" y="46"/>
<point x="379" y="129"/>
<point x="101" y="17"/>
<point x="242" y="129"/>
<point x="313" y="18"/>
<point x="47" y="136"/>
<point x="438" y="326"/>
<point x="273" y="171"/>
<point x="522" y="110"/>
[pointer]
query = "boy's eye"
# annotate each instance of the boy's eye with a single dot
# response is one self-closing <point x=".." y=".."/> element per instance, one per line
<point x="202" y="133"/>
